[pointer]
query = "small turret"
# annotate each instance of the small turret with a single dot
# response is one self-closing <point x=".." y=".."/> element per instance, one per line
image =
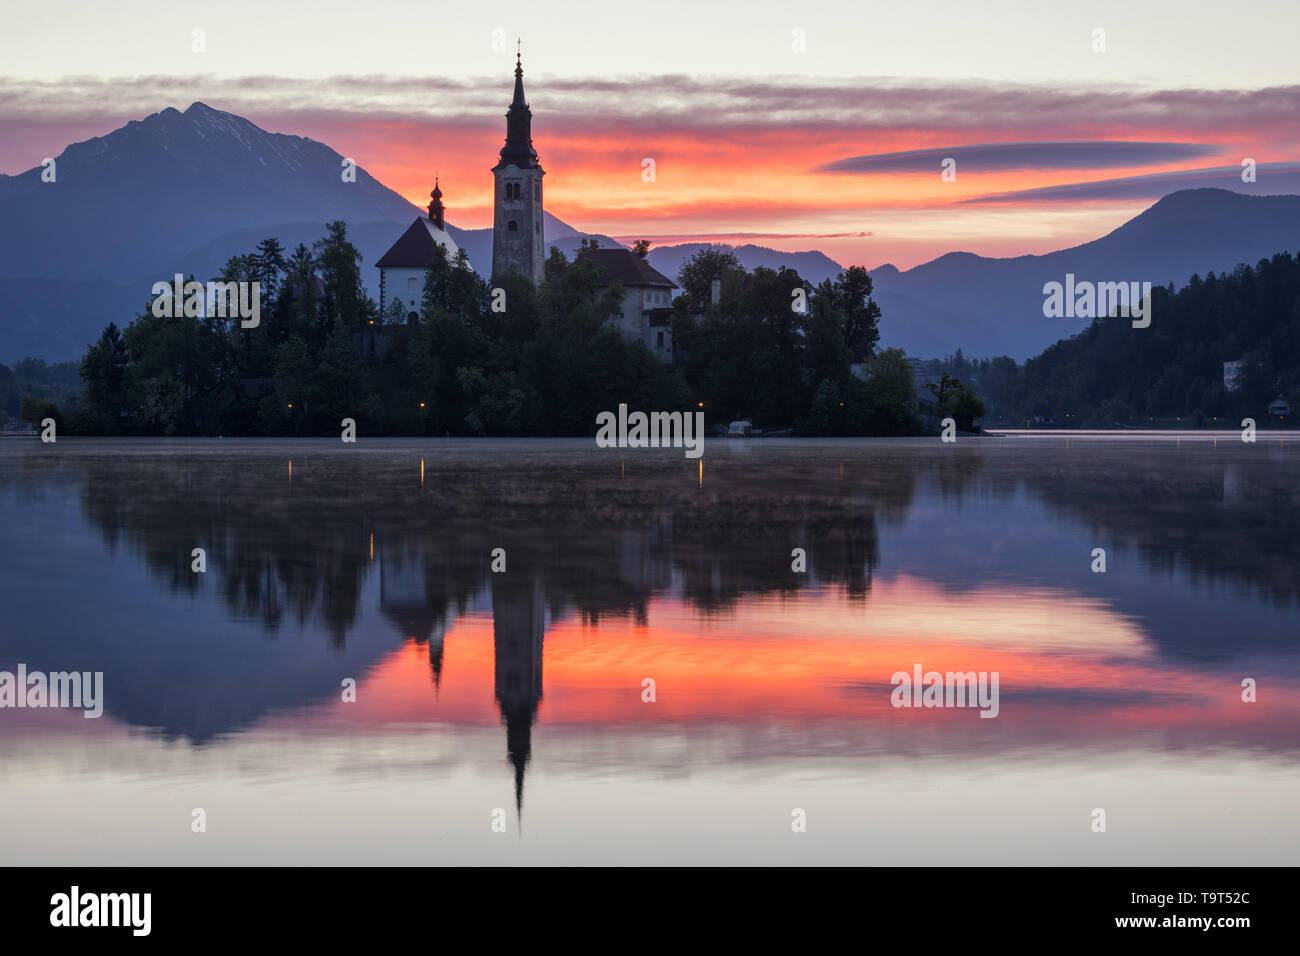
<point x="436" y="208"/>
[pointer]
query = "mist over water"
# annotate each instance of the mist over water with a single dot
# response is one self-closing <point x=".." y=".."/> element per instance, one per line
<point x="523" y="690"/>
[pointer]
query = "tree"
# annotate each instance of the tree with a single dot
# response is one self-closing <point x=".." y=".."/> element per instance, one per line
<point x="36" y="410"/>
<point x="268" y="266"/>
<point x="885" y="404"/>
<point x="339" y="263"/>
<point x="943" y="389"/>
<point x="965" y="406"/>
<point x="104" y="370"/>
<point x="697" y="273"/>
<point x="848" y="295"/>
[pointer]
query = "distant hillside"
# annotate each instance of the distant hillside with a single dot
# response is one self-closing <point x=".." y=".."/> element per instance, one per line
<point x="1113" y="374"/>
<point x="125" y="203"/>
<point x="183" y="192"/>
<point x="994" y="306"/>
<point x="179" y="192"/>
<point x="813" y="266"/>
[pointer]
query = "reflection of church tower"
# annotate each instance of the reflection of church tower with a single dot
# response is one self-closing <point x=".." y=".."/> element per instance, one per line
<point x="404" y="600"/>
<point x="517" y="240"/>
<point x="518" y="618"/>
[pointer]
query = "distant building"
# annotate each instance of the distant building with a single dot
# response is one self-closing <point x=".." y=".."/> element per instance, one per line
<point x="401" y="268"/>
<point x="646" y="313"/>
<point x="1232" y="376"/>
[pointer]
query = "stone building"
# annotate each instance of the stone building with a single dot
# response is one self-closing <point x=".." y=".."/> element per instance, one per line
<point x="646" y="313"/>
<point x="518" y="242"/>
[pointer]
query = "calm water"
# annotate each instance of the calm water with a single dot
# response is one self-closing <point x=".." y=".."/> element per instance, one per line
<point x="521" y="692"/>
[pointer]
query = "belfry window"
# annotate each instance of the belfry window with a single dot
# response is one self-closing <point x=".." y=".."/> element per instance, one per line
<point x="512" y="226"/>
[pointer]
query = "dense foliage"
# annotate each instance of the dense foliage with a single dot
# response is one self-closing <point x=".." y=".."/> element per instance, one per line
<point x="1169" y="373"/>
<point x="478" y="361"/>
<point x="37" y="385"/>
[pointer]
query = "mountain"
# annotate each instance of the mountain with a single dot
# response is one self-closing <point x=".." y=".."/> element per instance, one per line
<point x="185" y="191"/>
<point x="813" y="266"/>
<point x="179" y="192"/>
<point x="995" y="306"/>
<point x="123" y="204"/>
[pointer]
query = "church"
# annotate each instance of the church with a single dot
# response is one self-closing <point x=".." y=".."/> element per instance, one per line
<point x="401" y="268"/>
<point x="519" y="242"/>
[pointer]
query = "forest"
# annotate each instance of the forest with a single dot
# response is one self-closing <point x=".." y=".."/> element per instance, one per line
<point x="545" y="364"/>
<point x="1170" y="374"/>
<point x="789" y="356"/>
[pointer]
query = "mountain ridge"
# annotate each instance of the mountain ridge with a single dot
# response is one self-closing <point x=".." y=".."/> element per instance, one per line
<point x="183" y="191"/>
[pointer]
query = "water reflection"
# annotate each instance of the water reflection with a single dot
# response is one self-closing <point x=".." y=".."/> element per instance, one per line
<point x="624" y="568"/>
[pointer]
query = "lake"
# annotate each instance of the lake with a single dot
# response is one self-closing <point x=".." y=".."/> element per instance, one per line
<point x="504" y="716"/>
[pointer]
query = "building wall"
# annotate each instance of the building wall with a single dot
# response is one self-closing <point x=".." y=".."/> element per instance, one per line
<point x="396" y="283"/>
<point x="632" y="322"/>
<point x="659" y="339"/>
<point x="524" y="247"/>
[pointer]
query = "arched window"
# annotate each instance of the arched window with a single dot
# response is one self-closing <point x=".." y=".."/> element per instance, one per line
<point x="537" y="191"/>
<point x="512" y="226"/>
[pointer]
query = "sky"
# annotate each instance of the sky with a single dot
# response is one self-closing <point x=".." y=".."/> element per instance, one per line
<point x="767" y="122"/>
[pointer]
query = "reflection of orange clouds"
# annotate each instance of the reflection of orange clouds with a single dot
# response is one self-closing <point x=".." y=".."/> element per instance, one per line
<point x="1069" y="667"/>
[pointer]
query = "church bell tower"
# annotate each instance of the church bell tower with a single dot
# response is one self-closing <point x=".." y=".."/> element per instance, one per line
<point x="517" y="239"/>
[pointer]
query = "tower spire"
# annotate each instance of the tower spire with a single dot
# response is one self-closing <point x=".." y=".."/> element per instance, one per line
<point x="517" y="234"/>
<point x="519" y="125"/>
<point x="436" y="208"/>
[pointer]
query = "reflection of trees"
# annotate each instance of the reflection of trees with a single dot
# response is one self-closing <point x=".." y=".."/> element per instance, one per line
<point x="603" y="540"/>
<point x="1225" y="514"/>
<point x="584" y="536"/>
<point x="599" y="544"/>
<point x="270" y="549"/>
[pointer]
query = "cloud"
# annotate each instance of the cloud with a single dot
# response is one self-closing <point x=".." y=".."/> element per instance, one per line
<point x="1271" y="179"/>
<point x="703" y="103"/>
<point x="1001" y="157"/>
<point x="730" y="236"/>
